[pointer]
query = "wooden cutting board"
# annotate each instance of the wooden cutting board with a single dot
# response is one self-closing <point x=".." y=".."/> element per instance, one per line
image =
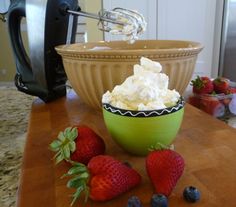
<point x="207" y="145"/>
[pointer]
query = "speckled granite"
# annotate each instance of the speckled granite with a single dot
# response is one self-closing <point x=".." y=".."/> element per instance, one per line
<point x="14" y="113"/>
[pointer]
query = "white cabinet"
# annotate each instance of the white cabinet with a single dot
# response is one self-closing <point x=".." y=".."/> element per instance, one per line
<point x="189" y="20"/>
<point x="181" y="20"/>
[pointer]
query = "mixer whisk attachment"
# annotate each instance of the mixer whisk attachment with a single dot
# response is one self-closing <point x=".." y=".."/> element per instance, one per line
<point x="118" y="21"/>
<point x="133" y="23"/>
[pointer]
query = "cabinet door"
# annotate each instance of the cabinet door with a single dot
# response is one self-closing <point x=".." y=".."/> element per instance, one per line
<point x="147" y="8"/>
<point x="189" y="20"/>
<point x="192" y="20"/>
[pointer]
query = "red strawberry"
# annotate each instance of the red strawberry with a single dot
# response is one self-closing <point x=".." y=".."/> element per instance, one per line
<point x="103" y="179"/>
<point x="194" y="100"/>
<point x="221" y="85"/>
<point x="164" y="168"/>
<point x="231" y="90"/>
<point x="78" y="144"/>
<point x="212" y="106"/>
<point x="202" y="85"/>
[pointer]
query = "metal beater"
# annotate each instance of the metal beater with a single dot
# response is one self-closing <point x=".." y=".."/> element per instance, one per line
<point x="117" y="21"/>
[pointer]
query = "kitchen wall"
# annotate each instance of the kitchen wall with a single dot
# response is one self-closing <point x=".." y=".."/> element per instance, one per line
<point x="93" y="34"/>
<point x="7" y="63"/>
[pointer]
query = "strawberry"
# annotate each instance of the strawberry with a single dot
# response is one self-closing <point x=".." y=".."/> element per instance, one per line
<point x="221" y="85"/>
<point x="202" y="85"/>
<point x="194" y="100"/>
<point x="231" y="90"/>
<point x="212" y="106"/>
<point x="78" y="144"/>
<point x="164" y="168"/>
<point x="103" y="179"/>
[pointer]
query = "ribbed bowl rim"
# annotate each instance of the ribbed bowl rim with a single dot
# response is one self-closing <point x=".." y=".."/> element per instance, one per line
<point x="71" y="51"/>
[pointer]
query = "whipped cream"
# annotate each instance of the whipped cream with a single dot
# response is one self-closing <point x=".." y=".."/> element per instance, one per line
<point x="146" y="89"/>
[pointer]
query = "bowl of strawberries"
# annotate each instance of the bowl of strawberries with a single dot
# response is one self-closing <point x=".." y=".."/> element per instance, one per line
<point x="216" y="97"/>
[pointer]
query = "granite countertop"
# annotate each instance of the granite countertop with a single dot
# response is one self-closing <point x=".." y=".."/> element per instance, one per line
<point x="14" y="112"/>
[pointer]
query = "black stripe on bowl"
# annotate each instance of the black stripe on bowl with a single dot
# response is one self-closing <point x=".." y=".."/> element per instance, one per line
<point x="147" y="113"/>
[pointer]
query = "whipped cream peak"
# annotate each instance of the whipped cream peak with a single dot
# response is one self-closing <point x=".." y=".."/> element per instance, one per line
<point x="146" y="89"/>
<point x="148" y="64"/>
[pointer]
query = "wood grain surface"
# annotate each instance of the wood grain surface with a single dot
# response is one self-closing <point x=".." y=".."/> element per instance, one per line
<point x="207" y="145"/>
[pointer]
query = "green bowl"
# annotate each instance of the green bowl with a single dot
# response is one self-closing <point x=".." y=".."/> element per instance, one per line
<point x="137" y="131"/>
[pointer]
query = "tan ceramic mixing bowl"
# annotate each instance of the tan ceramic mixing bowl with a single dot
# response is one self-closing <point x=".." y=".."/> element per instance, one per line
<point x="94" y="68"/>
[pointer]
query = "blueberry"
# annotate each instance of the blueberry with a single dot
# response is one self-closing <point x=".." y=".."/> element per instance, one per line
<point x="134" y="202"/>
<point x="191" y="194"/>
<point x="159" y="200"/>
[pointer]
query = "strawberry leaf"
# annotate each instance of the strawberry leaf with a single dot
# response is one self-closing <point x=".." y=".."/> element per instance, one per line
<point x="55" y="145"/>
<point x="65" y="144"/>
<point x="76" y="195"/>
<point x="66" y="151"/>
<point x="78" y="164"/>
<point x="67" y="131"/>
<point x="72" y="146"/>
<point x="76" y="170"/>
<point x="86" y="192"/>
<point x="61" y="136"/>
<point x="158" y="146"/>
<point x="59" y="158"/>
<point x="84" y="175"/>
<point x="73" y="134"/>
<point x="79" y="179"/>
<point x="75" y="183"/>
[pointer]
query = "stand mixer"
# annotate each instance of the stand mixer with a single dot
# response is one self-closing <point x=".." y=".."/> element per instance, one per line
<point x="51" y="23"/>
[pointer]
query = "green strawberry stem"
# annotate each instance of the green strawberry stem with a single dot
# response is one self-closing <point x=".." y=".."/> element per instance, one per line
<point x="198" y="83"/>
<point x="79" y="180"/>
<point x="160" y="146"/>
<point x="64" y="145"/>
